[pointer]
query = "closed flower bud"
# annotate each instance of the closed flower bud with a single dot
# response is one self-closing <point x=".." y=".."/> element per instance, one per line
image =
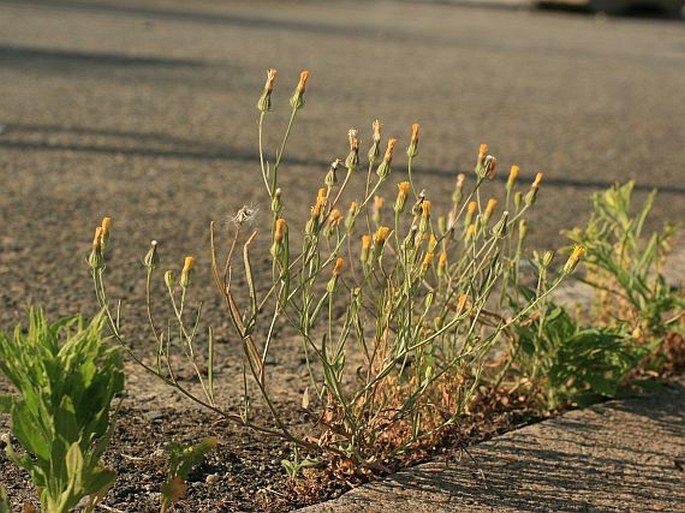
<point x="523" y="230"/>
<point x="378" y="202"/>
<point x="470" y="233"/>
<point x="352" y="159"/>
<point x="96" y="260"/>
<point x="470" y="211"/>
<point x="458" y="189"/>
<point x="574" y="259"/>
<point x="104" y="236"/>
<point x="547" y="258"/>
<point x="442" y="225"/>
<point x="518" y="199"/>
<point x="533" y="192"/>
<point x="413" y="148"/>
<point x="366" y="244"/>
<point x="185" y="272"/>
<point x="376" y="127"/>
<point x="462" y="302"/>
<point x="381" y="235"/>
<point x="330" y="287"/>
<point x="374" y="151"/>
<point x="151" y="259"/>
<point x="383" y="169"/>
<point x="424" y="222"/>
<point x="501" y="228"/>
<point x="279" y="230"/>
<point x="297" y="100"/>
<point x="427" y="261"/>
<point x="513" y="175"/>
<point x="402" y="193"/>
<point x="276" y="204"/>
<point x="169" y="280"/>
<point x="442" y="263"/>
<point x="351" y="216"/>
<point x="489" y="209"/>
<point x="432" y="243"/>
<point x="332" y="176"/>
<point x="264" y="102"/>
<point x="482" y="152"/>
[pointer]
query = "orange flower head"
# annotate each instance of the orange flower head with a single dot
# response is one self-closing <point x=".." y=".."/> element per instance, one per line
<point x="462" y="300"/>
<point x="366" y="242"/>
<point x="106" y="221"/>
<point x="97" y="239"/>
<point x="538" y="179"/>
<point x="427" y="260"/>
<point x="338" y="265"/>
<point x="187" y="265"/>
<point x="279" y="229"/>
<point x="353" y="136"/>
<point x="471" y="208"/>
<point x="389" y="150"/>
<point x="334" y="217"/>
<point x="514" y="173"/>
<point x="490" y="207"/>
<point x="482" y="152"/>
<point x="381" y="235"/>
<point x="270" y="77"/>
<point x="376" y="127"/>
<point x="425" y="208"/>
<point x="415" y="133"/>
<point x="304" y="76"/>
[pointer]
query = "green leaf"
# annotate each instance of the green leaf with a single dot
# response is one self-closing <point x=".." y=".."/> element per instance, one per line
<point x="4" y="500"/>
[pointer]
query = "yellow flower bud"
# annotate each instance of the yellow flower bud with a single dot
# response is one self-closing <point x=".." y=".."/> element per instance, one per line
<point x="482" y="152"/>
<point x="470" y="211"/>
<point x="297" y="100"/>
<point x="279" y="230"/>
<point x="381" y="235"/>
<point x="470" y="233"/>
<point x="462" y="301"/>
<point x="413" y="150"/>
<point x="489" y="209"/>
<point x="573" y="259"/>
<point x="402" y="193"/>
<point x="384" y="167"/>
<point x="185" y="273"/>
<point x="427" y="260"/>
<point x="264" y="103"/>
<point x="334" y="217"/>
<point x="339" y="262"/>
<point x="513" y="175"/>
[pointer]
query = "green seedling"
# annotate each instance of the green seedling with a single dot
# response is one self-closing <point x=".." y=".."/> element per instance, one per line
<point x="66" y="375"/>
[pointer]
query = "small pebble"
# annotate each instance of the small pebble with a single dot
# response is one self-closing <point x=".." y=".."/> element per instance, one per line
<point x="212" y="478"/>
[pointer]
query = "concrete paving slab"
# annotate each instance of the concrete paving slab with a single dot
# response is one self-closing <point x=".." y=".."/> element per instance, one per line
<point x="625" y="455"/>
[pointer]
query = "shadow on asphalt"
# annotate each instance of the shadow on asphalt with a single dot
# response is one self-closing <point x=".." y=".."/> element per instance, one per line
<point x="18" y="56"/>
<point x="23" y="137"/>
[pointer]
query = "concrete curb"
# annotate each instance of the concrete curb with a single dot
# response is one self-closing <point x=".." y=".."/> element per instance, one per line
<point x="625" y="455"/>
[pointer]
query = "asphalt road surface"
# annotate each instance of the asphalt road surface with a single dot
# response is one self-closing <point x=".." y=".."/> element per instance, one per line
<point x="145" y="110"/>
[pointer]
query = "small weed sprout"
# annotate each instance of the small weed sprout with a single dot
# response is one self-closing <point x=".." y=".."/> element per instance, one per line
<point x="181" y="462"/>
